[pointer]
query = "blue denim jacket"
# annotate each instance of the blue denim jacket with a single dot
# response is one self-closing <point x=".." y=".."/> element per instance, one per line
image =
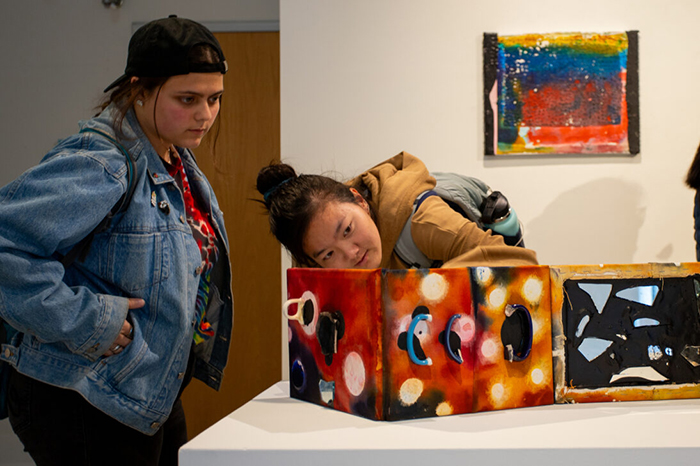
<point x="69" y="317"/>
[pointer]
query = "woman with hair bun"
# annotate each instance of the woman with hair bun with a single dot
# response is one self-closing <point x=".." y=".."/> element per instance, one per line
<point x="325" y="223"/>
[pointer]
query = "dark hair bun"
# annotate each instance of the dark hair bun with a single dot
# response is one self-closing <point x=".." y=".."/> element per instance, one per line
<point x="273" y="175"/>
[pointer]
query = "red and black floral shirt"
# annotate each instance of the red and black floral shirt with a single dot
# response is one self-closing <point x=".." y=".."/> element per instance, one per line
<point x="206" y="239"/>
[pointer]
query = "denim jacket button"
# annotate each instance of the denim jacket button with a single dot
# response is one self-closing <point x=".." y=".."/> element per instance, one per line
<point x="182" y="219"/>
<point x="181" y="375"/>
<point x="94" y="348"/>
<point x="8" y="353"/>
<point x="155" y="425"/>
<point x="198" y="270"/>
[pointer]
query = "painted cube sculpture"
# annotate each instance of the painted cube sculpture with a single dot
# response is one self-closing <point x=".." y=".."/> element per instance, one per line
<point x="626" y="332"/>
<point x="405" y="344"/>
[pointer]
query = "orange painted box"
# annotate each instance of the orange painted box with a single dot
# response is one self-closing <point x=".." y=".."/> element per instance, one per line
<point x="406" y="344"/>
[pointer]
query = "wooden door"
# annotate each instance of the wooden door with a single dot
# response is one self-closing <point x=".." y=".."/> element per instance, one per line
<point x="248" y="139"/>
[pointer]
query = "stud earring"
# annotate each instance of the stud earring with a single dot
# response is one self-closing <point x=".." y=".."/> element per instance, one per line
<point x="139" y="103"/>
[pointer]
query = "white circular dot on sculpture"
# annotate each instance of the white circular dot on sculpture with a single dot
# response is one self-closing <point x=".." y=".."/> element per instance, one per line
<point x="410" y="391"/>
<point x="434" y="287"/>
<point x="354" y="373"/>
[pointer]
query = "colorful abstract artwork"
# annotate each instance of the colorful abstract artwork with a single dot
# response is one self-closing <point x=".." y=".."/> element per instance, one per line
<point x="626" y="332"/>
<point x="513" y="365"/>
<point x="407" y="344"/>
<point x="429" y="336"/>
<point x="335" y="351"/>
<point x="564" y="93"/>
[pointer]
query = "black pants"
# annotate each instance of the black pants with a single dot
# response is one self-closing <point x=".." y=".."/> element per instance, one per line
<point x="58" y="427"/>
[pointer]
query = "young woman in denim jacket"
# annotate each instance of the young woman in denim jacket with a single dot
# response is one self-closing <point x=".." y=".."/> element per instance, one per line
<point x="107" y="344"/>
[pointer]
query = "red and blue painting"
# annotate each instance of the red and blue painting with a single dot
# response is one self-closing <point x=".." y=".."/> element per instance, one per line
<point x="561" y="93"/>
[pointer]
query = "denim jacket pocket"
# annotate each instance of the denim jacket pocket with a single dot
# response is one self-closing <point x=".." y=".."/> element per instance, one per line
<point x="137" y="261"/>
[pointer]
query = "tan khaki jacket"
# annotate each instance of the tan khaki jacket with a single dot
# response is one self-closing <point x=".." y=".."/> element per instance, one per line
<point x="438" y="231"/>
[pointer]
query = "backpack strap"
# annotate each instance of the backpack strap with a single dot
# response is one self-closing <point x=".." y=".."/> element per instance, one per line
<point x="80" y="250"/>
<point x="475" y="201"/>
<point x="463" y="194"/>
<point x="406" y="248"/>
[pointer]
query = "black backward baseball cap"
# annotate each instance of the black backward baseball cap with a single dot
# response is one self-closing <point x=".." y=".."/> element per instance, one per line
<point x="161" y="49"/>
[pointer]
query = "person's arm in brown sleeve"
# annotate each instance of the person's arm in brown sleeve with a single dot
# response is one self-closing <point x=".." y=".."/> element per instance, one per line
<point x="443" y="234"/>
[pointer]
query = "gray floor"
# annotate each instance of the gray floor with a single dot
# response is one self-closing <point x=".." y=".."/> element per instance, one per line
<point x="11" y="452"/>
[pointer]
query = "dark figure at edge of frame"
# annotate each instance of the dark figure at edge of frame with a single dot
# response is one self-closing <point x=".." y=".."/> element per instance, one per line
<point x="692" y="180"/>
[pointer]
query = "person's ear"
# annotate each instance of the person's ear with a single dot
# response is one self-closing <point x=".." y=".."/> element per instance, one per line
<point x="139" y="95"/>
<point x="359" y="199"/>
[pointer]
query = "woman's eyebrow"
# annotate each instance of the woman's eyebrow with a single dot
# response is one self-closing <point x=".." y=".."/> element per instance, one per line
<point x="316" y="254"/>
<point x="199" y="94"/>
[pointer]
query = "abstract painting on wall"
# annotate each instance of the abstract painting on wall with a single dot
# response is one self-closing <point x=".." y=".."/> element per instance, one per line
<point x="561" y="93"/>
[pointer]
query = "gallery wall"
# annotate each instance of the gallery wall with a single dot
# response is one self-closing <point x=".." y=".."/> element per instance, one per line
<point x="364" y="80"/>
